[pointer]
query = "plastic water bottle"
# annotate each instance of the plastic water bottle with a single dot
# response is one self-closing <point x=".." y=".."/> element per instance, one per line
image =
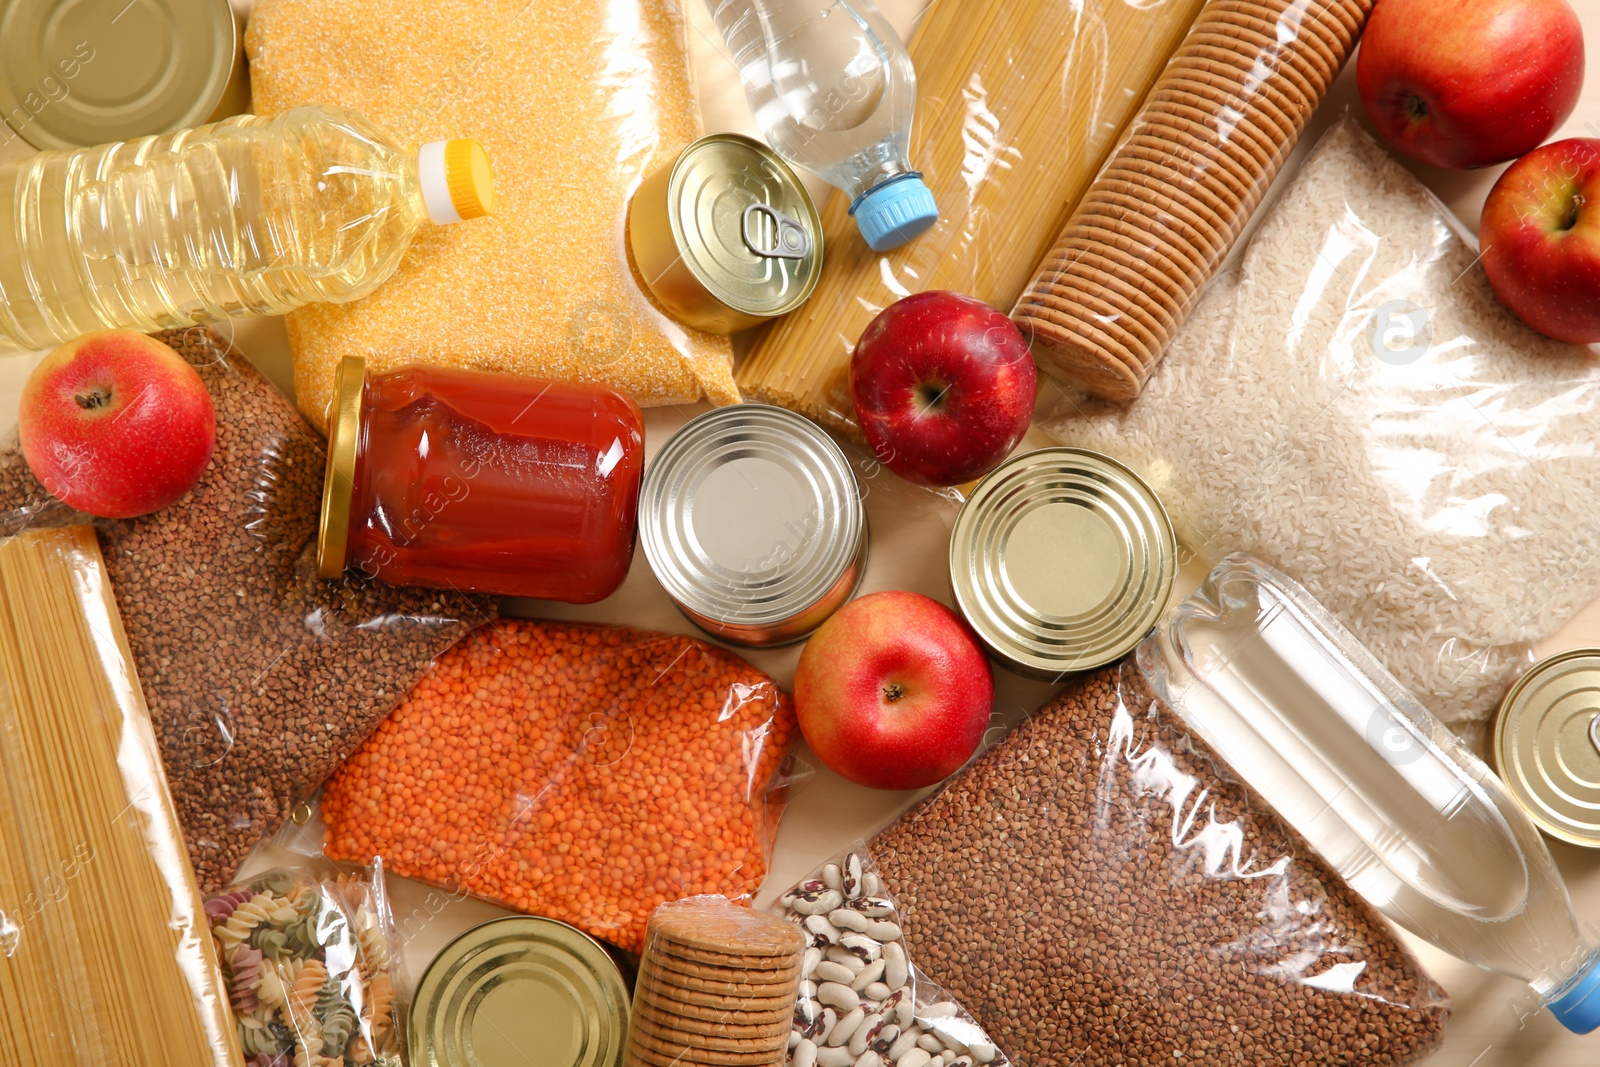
<point x="833" y="90"/>
<point x="249" y="215"/>
<point x="1389" y="796"/>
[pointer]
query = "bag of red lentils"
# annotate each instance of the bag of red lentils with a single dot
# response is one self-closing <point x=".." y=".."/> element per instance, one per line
<point x="260" y="676"/>
<point x="1100" y="889"/>
<point x="585" y="773"/>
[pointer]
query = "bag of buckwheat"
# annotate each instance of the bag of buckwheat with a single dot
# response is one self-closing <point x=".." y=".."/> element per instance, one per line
<point x="1098" y="889"/>
<point x="260" y="676"/>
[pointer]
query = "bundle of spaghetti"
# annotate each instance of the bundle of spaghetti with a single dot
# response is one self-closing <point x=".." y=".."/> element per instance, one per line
<point x="1018" y="105"/>
<point x="105" y="957"/>
<point x="1177" y="194"/>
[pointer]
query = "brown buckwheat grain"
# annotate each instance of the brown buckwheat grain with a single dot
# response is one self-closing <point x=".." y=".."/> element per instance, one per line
<point x="260" y="677"/>
<point x="1043" y="887"/>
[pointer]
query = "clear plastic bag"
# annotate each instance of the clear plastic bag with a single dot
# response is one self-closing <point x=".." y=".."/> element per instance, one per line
<point x="575" y="104"/>
<point x="854" y="938"/>
<point x="1018" y="105"/>
<point x="1099" y="889"/>
<point x="260" y="677"/>
<point x="104" y="957"/>
<point x="1354" y="407"/>
<point x="583" y="773"/>
<point x="313" y="966"/>
<point x="1173" y="199"/>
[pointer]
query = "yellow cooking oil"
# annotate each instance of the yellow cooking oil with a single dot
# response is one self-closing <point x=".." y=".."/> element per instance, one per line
<point x="252" y="215"/>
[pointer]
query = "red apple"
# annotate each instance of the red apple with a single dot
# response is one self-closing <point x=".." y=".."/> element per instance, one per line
<point x="943" y="387"/>
<point x="1469" y="83"/>
<point x="893" y="692"/>
<point x="116" y="424"/>
<point x="1541" y="240"/>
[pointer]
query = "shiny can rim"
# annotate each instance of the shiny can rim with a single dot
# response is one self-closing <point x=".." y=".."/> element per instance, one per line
<point x="1546" y="745"/>
<point x="491" y="960"/>
<point x="818" y="544"/>
<point x="1013" y="537"/>
<point x="128" y="46"/>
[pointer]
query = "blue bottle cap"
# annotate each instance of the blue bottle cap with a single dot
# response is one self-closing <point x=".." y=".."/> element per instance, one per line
<point x="896" y="211"/>
<point x="1578" y="1005"/>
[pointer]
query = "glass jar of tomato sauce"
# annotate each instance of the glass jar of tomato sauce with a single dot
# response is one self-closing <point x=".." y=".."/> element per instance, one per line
<point x="491" y="483"/>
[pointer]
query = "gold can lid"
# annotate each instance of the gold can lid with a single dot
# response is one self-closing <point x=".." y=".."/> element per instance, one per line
<point x="76" y="73"/>
<point x="744" y="225"/>
<point x="1547" y="745"/>
<point x="520" y="992"/>
<point x="1062" y="560"/>
<point x="339" y="479"/>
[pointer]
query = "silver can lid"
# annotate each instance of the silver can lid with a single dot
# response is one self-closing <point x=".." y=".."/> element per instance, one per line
<point x="1062" y="559"/>
<point x="750" y="516"/>
<point x="1547" y="745"/>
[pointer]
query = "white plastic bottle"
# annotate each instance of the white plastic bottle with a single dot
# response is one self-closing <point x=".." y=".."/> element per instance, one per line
<point x="1389" y="796"/>
<point x="833" y="90"/>
<point x="250" y="215"/>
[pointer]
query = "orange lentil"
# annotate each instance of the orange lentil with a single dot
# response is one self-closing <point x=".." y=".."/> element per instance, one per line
<point x="585" y="773"/>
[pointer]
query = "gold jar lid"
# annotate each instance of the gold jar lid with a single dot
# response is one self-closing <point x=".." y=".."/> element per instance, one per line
<point x="1547" y="745"/>
<point x="1062" y="559"/>
<point x="339" y="479"/>
<point x="76" y="73"/>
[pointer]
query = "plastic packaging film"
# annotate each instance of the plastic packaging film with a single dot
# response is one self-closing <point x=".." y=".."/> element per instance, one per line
<point x="1164" y="214"/>
<point x="104" y="955"/>
<point x="1356" y="408"/>
<point x="260" y="677"/>
<point x="1017" y="107"/>
<point x="1098" y="889"/>
<point x="855" y="939"/>
<point x="647" y="772"/>
<point x="313" y="965"/>
<point x="545" y="287"/>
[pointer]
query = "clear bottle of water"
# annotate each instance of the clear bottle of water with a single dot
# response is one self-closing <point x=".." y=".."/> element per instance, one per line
<point x="1389" y="796"/>
<point x="833" y="90"/>
<point x="249" y="215"/>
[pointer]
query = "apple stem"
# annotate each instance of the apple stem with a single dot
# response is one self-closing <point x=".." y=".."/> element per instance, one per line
<point x="94" y="399"/>
<point x="1574" y="210"/>
<point x="893" y="692"/>
<point x="930" y="393"/>
<point x="1416" y="107"/>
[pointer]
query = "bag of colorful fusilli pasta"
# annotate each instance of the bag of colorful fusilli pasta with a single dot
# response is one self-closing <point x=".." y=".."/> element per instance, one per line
<point x="312" y="966"/>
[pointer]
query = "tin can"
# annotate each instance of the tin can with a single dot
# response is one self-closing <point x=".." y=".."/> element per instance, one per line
<point x="752" y="521"/>
<point x="726" y="237"/>
<point x="516" y="991"/>
<point x="1547" y="745"/>
<point x="1062" y="560"/>
<point x="75" y="74"/>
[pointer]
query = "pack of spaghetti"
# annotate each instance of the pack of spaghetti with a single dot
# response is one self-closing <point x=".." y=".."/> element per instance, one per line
<point x="1018" y="105"/>
<point x="106" y="956"/>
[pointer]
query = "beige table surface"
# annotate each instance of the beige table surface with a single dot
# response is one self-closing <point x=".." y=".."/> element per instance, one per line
<point x="909" y="539"/>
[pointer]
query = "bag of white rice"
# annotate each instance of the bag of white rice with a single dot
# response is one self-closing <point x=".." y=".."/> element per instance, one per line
<point x="1354" y="406"/>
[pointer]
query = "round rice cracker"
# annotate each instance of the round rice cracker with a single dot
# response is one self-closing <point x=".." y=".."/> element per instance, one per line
<point x="1249" y="133"/>
<point x="696" y="1034"/>
<point x="1324" y="38"/>
<point x="1094" y="234"/>
<point x="1336" y="22"/>
<point x="668" y="1053"/>
<point x="1220" y="210"/>
<point x="1286" y="74"/>
<point x="1185" y="247"/>
<point x="1146" y="186"/>
<point x="1308" y="57"/>
<point x="739" y="1010"/>
<point x="1242" y="77"/>
<point x="1168" y="142"/>
<point x="1116" y="314"/>
<point x="1144" y="277"/>
<point x="1096" y="364"/>
<point x="1197" y="76"/>
<point x="727" y="1001"/>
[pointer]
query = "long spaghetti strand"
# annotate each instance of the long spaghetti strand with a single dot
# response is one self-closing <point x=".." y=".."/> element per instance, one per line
<point x="108" y="960"/>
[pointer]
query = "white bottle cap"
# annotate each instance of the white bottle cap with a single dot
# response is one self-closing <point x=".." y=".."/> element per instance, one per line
<point x="455" y="178"/>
